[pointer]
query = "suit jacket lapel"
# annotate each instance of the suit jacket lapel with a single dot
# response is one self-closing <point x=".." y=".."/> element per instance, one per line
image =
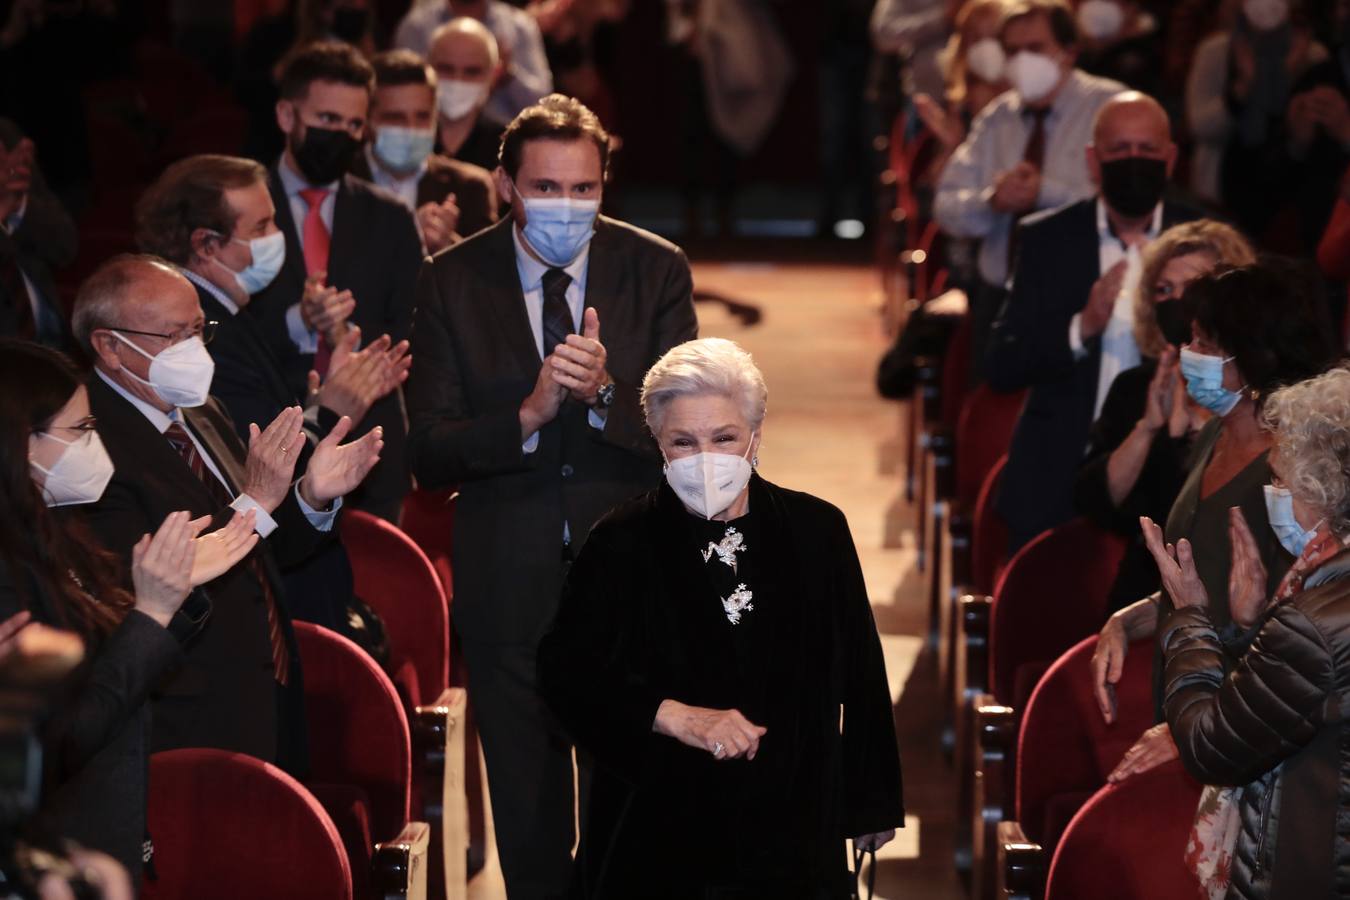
<point x="434" y="184"/>
<point x="217" y="446"/>
<point x="604" y="282"/>
<point x="508" y="297"/>
<point x="345" y="245"/>
<point x="291" y="279"/>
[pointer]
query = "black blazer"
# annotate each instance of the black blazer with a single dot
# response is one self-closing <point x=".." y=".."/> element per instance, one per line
<point x="475" y="360"/>
<point x="374" y="253"/>
<point x="1058" y="261"/>
<point x="475" y="194"/>
<point x="96" y="747"/>
<point x="640" y="623"/>
<point x="225" y="695"/>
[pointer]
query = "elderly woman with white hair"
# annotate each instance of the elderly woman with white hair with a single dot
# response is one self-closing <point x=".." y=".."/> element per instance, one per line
<point x="715" y="653"/>
<point x="1270" y="736"/>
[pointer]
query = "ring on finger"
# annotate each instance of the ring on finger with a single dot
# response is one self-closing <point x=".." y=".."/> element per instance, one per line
<point x="718" y="749"/>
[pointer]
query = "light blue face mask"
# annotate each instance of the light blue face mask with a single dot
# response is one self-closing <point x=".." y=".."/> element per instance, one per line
<point x="1204" y="381"/>
<point x="558" y="228"/>
<point x="1280" y="510"/>
<point x="403" y="149"/>
<point x="269" y="255"/>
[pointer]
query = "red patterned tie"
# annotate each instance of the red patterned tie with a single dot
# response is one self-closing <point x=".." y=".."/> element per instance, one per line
<point x="179" y="439"/>
<point x="316" y="239"/>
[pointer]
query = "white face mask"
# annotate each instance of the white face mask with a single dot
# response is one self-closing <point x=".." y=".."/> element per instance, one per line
<point x="269" y="255"/>
<point x="1100" y="19"/>
<point x="180" y="374"/>
<point x="1033" y="75"/>
<point x="456" y="99"/>
<point x="1266" y="15"/>
<point x="707" y="483"/>
<point x="79" y="474"/>
<point x="985" y="60"/>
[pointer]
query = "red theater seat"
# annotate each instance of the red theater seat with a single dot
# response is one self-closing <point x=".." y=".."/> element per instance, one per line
<point x="227" y="825"/>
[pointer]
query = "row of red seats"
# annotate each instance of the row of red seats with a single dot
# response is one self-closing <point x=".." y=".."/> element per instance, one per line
<point x="1013" y="640"/>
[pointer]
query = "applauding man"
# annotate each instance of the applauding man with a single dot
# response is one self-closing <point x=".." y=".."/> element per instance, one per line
<point x="529" y="344"/>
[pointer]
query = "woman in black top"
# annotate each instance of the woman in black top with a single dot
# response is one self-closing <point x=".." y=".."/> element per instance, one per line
<point x="95" y="746"/>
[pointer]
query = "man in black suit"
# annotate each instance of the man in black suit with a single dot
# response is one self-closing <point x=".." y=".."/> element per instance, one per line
<point x="514" y="397"/>
<point x="37" y="235"/>
<point x="352" y="249"/>
<point x="212" y="217"/>
<point x="1066" y="329"/>
<point x="452" y="199"/>
<point x="173" y="448"/>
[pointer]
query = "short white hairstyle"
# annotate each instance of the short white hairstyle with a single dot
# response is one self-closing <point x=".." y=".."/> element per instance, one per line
<point x="703" y="368"/>
<point x="472" y="27"/>
<point x="1311" y="424"/>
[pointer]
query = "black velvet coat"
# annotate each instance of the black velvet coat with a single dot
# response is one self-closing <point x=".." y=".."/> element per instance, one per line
<point x="640" y="623"/>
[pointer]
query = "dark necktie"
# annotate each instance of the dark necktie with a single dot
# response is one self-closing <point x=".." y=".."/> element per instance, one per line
<point x="12" y="283"/>
<point x="557" y="314"/>
<point x="178" y="438"/>
<point x="1034" y="154"/>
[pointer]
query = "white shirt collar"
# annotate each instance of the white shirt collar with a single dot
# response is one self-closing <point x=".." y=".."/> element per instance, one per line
<point x="211" y="288"/>
<point x="1104" y="224"/>
<point x="532" y="270"/>
<point x="158" y="418"/>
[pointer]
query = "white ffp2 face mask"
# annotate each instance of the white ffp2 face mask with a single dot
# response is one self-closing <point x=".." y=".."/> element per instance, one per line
<point x="1033" y="75"/>
<point x="707" y="483"/>
<point x="80" y="474"/>
<point x="986" y="61"/>
<point x="1100" y="19"/>
<point x="180" y="374"/>
<point x="455" y="99"/>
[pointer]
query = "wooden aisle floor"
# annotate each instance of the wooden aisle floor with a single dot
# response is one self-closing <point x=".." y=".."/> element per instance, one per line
<point x="827" y="432"/>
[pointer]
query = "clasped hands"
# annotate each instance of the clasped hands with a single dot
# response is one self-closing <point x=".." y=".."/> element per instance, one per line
<point x="1017" y="189"/>
<point x="575" y="368"/>
<point x="357" y="378"/>
<point x="334" y="468"/>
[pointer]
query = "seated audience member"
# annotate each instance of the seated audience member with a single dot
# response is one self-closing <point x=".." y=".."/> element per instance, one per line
<point x="918" y="29"/>
<point x="352" y="249"/>
<point x="1139" y="446"/>
<point x="1025" y="151"/>
<point x="53" y="573"/>
<point x="37" y="235"/>
<point x="452" y="199"/>
<point x="1268" y="722"/>
<point x="525" y="76"/>
<point x="464" y="54"/>
<point x="1066" y="330"/>
<point x="1237" y="99"/>
<point x="172" y="447"/>
<point x="1256" y="328"/>
<point x="1121" y="40"/>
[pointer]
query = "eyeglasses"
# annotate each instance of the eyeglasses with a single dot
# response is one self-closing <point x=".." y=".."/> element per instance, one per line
<point x="206" y="332"/>
<point x="84" y="426"/>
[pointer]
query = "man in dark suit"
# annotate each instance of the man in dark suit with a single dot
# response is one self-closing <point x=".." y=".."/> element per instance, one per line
<point x="37" y="235"/>
<point x="1066" y="329"/>
<point x="213" y="218"/>
<point x="352" y="249"/>
<point x="452" y="199"/>
<point x="530" y="342"/>
<point x="175" y="448"/>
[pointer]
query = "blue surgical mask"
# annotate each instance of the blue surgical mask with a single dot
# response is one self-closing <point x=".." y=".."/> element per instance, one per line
<point x="558" y="228"/>
<point x="269" y="255"/>
<point x="1280" y="511"/>
<point x="403" y="149"/>
<point x="1204" y="381"/>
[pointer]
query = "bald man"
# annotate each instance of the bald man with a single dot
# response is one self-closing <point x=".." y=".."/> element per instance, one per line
<point x="1066" y="329"/>
<point x="465" y="55"/>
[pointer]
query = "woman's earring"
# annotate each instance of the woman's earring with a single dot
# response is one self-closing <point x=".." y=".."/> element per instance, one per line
<point x="754" y="461"/>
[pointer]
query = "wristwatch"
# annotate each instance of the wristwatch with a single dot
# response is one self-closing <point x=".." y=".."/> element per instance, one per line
<point x="604" y="397"/>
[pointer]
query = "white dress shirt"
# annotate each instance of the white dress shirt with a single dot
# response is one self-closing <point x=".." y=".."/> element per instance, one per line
<point x="264" y="524"/>
<point x="305" y="340"/>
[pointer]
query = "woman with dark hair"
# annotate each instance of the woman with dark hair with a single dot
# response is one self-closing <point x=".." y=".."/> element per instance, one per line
<point x="95" y="747"/>
<point x="1256" y="328"/>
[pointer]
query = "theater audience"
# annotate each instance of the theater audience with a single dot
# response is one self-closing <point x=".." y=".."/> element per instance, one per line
<point x="352" y="250"/>
<point x="52" y="572"/>
<point x="919" y="30"/>
<point x="37" y="236"/>
<point x="451" y="199"/>
<point x="1066" y="329"/>
<point x="172" y="447"/>
<point x="1333" y="250"/>
<point x="1025" y="151"/>
<point x="1121" y="40"/>
<point x="531" y="407"/>
<point x="1138" y="448"/>
<point x="349" y="21"/>
<point x="1264" y="730"/>
<point x="465" y="56"/>
<point x="1256" y="328"/>
<point x="525" y="76"/>
<point x="681" y="602"/>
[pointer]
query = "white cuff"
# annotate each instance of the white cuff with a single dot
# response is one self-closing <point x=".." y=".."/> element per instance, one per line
<point x="1076" y="336"/>
<point x="531" y="444"/>
<point x="305" y="341"/>
<point x="264" y="525"/>
<point x="320" y="519"/>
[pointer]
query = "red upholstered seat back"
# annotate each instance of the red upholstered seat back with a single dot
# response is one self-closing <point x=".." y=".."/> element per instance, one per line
<point x="227" y="825"/>
<point x="1127" y="842"/>
<point x="989" y="535"/>
<point x="983" y="434"/>
<point x="358" y="733"/>
<point x="1066" y="749"/>
<point x="395" y="577"/>
<point x="1050" y="597"/>
<point x="956" y="375"/>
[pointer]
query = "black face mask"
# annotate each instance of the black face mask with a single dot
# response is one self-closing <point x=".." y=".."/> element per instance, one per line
<point x="349" y="23"/>
<point x="325" y="154"/>
<point x="1133" y="185"/>
<point x="1174" y="318"/>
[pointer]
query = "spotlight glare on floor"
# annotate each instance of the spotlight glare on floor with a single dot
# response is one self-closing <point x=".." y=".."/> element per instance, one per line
<point x="848" y="229"/>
